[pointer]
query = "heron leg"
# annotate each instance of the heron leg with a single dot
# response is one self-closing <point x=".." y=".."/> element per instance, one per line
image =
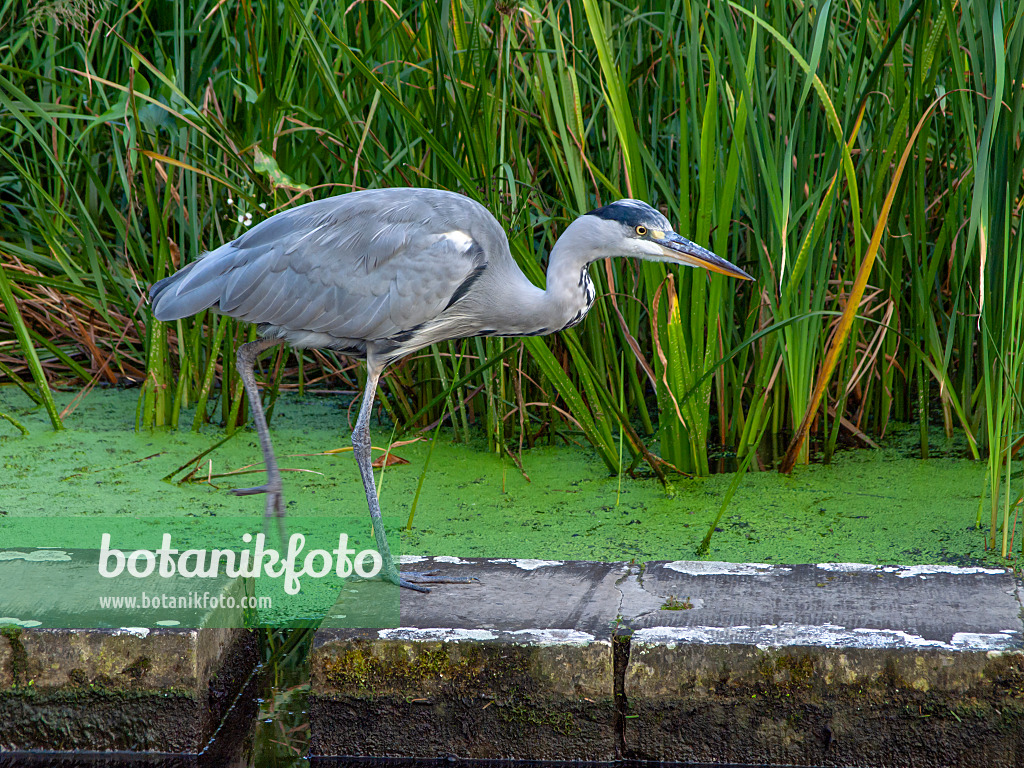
<point x="361" y="448"/>
<point x="247" y="354"/>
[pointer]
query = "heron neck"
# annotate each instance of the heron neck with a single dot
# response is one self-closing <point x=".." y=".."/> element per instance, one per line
<point x="570" y="292"/>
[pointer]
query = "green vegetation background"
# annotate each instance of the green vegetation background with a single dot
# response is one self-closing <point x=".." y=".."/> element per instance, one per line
<point x="861" y="159"/>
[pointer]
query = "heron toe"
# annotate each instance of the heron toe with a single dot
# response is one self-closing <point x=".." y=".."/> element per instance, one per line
<point x="274" y="507"/>
<point x="412" y="579"/>
<point x="265" y="488"/>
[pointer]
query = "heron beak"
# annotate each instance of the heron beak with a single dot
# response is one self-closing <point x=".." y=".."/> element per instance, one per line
<point x="680" y="249"/>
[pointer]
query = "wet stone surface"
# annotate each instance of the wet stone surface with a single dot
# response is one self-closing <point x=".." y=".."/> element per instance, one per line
<point x="705" y="662"/>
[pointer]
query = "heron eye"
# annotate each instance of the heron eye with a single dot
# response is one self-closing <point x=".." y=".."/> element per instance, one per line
<point x="641" y="230"/>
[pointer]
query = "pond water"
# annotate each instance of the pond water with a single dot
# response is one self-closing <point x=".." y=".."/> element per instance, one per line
<point x="869" y="506"/>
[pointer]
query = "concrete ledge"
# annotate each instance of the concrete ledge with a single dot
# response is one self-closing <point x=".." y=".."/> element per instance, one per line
<point x="700" y="662"/>
<point x="517" y="666"/>
<point x="121" y="688"/>
<point x="103" y="690"/>
<point x="827" y="665"/>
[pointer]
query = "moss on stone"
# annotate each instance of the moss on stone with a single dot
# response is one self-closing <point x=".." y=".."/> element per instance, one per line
<point x="19" y="656"/>
<point x="520" y="711"/>
<point x="784" y="673"/>
<point x="138" y="668"/>
<point x="367" y="667"/>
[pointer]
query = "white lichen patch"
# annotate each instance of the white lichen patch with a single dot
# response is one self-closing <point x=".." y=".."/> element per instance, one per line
<point x="973" y="641"/>
<point x="527" y="564"/>
<point x="137" y="631"/>
<point x="848" y="567"/>
<point x="410" y="559"/>
<point x="768" y="636"/>
<point x="438" y="634"/>
<point x="538" y="636"/>
<point x="924" y="571"/>
<point x="451" y="559"/>
<point x="36" y="556"/>
<point x="715" y="568"/>
<point x="553" y="636"/>
<point x="893" y="638"/>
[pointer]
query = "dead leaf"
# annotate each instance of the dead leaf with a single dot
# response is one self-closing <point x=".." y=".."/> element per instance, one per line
<point x="391" y="460"/>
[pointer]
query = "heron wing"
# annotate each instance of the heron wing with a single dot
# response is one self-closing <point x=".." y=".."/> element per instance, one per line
<point x="361" y="266"/>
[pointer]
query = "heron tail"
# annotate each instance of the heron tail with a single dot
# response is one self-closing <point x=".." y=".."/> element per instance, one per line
<point x="191" y="289"/>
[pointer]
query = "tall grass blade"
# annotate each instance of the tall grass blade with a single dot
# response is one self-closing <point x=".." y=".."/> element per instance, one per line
<point x="853" y="302"/>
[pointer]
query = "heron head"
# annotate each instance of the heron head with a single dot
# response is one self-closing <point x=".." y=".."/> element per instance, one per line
<point x="636" y="229"/>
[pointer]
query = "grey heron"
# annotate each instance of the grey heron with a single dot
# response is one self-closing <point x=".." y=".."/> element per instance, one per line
<point x="378" y="274"/>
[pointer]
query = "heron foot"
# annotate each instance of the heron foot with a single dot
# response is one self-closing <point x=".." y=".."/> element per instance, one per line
<point x="413" y="579"/>
<point x="269" y="488"/>
<point x="274" y="508"/>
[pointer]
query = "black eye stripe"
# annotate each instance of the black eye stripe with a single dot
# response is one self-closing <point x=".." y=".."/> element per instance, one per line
<point x="632" y="213"/>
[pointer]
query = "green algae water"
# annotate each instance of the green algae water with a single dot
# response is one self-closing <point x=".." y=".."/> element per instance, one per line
<point x="866" y="506"/>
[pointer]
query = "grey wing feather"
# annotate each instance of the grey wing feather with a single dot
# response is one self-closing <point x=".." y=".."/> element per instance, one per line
<point x="362" y="266"/>
<point x="192" y="289"/>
